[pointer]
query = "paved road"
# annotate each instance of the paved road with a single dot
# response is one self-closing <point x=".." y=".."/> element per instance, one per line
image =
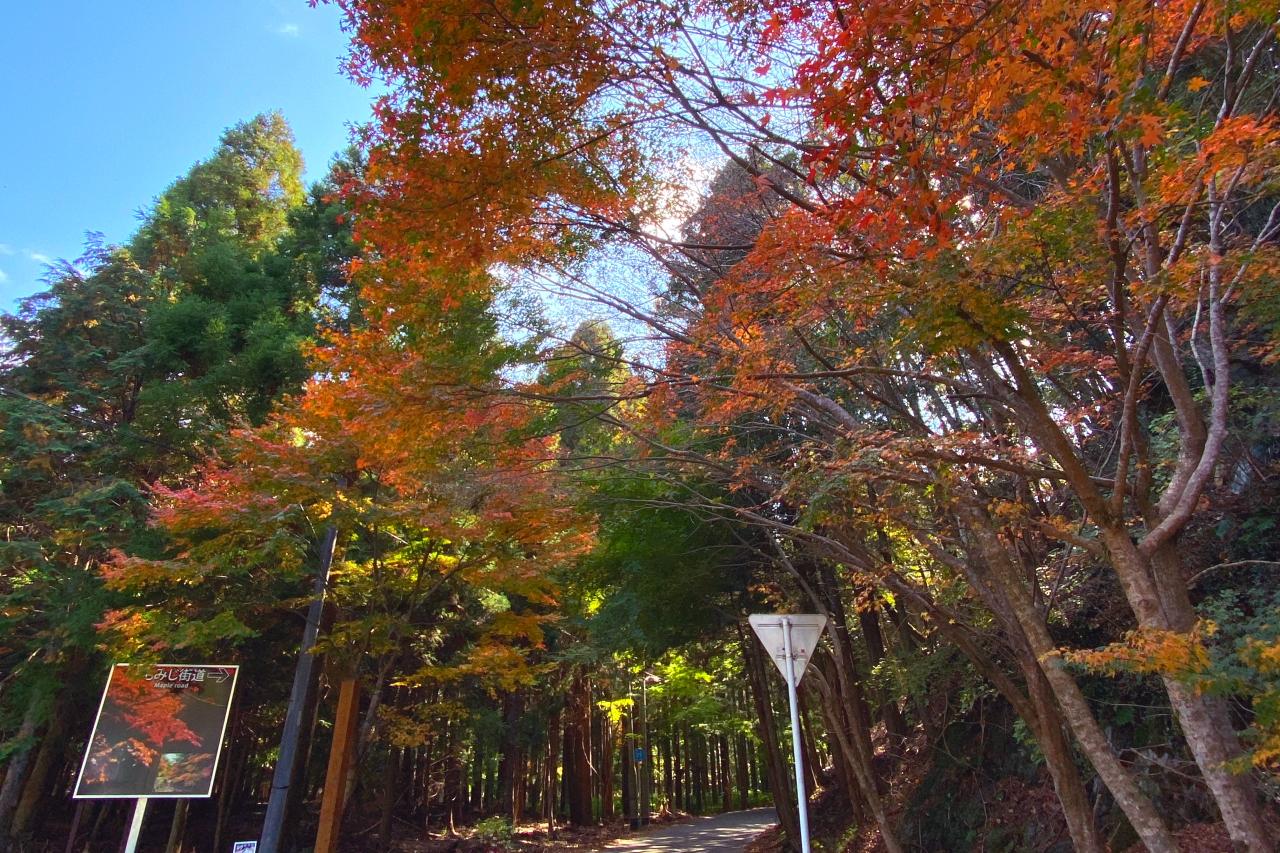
<point x="726" y="833"/>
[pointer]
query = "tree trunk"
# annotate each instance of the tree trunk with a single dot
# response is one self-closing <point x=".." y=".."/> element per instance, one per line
<point x="1206" y="724"/>
<point x="1136" y="806"/>
<point x="511" y="768"/>
<point x="726" y="777"/>
<point x="838" y="725"/>
<point x="549" y="774"/>
<point x="232" y="777"/>
<point x="390" y="773"/>
<point x="678" y="751"/>
<point x="37" y="784"/>
<point x="699" y="746"/>
<point x="1046" y="726"/>
<point x="454" y="782"/>
<point x="423" y="793"/>
<point x="1149" y="571"/>
<point x="853" y="701"/>
<point x="809" y="746"/>
<point x="77" y="817"/>
<point x="1037" y="707"/>
<point x="1206" y="721"/>
<point x="577" y="771"/>
<point x="608" y="743"/>
<point x="475" y="797"/>
<point x="491" y="784"/>
<point x="743" y="780"/>
<point x="668" y="772"/>
<point x="16" y="774"/>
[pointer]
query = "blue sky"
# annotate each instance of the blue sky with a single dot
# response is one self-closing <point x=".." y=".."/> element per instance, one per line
<point x="105" y="104"/>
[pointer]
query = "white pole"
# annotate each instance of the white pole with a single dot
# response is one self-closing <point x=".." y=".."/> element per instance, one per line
<point x="802" y="799"/>
<point x="135" y="828"/>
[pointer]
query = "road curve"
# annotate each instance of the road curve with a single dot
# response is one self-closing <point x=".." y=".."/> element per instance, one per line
<point x="725" y="833"/>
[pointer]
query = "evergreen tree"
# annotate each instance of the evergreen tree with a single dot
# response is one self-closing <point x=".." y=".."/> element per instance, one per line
<point x="131" y="367"/>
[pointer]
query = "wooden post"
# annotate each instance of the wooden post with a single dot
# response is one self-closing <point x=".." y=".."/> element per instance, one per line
<point x="341" y="754"/>
<point x="75" y="827"/>
<point x="178" y="828"/>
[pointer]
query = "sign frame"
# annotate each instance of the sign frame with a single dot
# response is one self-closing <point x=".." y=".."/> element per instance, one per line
<point x="159" y="795"/>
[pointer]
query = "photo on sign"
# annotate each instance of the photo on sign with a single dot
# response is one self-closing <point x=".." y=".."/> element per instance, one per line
<point x="158" y="732"/>
<point x="245" y="847"/>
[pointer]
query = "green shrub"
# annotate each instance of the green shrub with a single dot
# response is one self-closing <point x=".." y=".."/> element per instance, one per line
<point x="494" y="830"/>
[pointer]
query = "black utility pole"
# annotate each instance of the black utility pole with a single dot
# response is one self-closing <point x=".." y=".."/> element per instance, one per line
<point x="282" y="779"/>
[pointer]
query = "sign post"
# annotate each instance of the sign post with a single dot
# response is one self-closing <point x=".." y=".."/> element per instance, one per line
<point x="135" y="825"/>
<point x="790" y="641"/>
<point x="158" y="734"/>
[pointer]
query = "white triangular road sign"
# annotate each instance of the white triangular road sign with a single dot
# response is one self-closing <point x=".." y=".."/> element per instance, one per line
<point x="806" y="631"/>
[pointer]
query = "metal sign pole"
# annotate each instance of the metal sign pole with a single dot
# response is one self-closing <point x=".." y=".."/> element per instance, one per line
<point x="802" y="798"/>
<point x="633" y="772"/>
<point x="646" y="766"/>
<point x="135" y="827"/>
<point x="780" y="635"/>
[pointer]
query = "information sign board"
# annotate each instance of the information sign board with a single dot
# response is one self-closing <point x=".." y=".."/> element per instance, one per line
<point x="158" y="732"/>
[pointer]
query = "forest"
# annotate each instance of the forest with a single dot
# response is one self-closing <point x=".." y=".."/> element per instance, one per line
<point x="957" y="323"/>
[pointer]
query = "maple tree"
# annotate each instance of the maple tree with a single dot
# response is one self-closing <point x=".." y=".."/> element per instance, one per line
<point x="955" y="323"/>
<point x="1049" y="204"/>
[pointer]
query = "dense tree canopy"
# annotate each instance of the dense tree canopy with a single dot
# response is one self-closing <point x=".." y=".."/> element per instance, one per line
<point x="955" y="323"/>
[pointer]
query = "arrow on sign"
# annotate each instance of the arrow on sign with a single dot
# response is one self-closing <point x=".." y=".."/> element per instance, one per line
<point x="806" y="630"/>
<point x="218" y="674"/>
